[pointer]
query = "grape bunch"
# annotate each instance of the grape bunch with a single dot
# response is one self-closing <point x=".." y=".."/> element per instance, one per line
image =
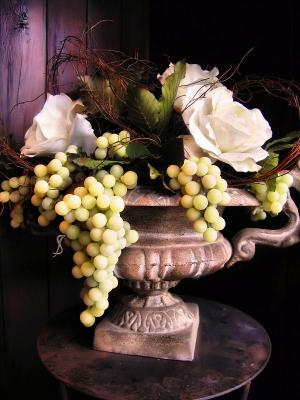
<point x="16" y="190"/>
<point x="97" y="234"/>
<point x="50" y="181"/>
<point x="112" y="145"/>
<point x="272" y="196"/>
<point x="91" y="212"/>
<point x="203" y="190"/>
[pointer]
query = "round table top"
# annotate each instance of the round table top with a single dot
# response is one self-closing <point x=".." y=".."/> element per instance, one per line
<point x="232" y="349"/>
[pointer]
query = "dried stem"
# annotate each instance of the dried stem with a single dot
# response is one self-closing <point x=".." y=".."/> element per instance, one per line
<point x="13" y="156"/>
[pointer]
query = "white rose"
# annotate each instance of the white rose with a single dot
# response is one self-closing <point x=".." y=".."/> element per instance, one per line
<point x="57" y="126"/>
<point x="193" y="86"/>
<point x="228" y="131"/>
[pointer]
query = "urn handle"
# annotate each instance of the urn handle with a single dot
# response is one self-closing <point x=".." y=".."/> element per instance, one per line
<point x="244" y="241"/>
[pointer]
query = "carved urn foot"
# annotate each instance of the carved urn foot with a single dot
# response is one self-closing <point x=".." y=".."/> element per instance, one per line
<point x="154" y="323"/>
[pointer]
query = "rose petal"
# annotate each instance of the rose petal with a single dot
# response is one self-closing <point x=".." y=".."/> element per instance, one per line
<point x="82" y="134"/>
<point x="49" y="146"/>
<point x="52" y="119"/>
<point x="192" y="87"/>
<point x="200" y="130"/>
<point x="244" y="162"/>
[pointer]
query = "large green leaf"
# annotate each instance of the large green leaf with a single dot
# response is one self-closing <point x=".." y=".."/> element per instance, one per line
<point x="136" y="150"/>
<point x="143" y="109"/>
<point x="169" y="92"/>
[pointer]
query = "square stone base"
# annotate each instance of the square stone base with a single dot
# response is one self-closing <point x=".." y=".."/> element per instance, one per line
<point x="179" y="345"/>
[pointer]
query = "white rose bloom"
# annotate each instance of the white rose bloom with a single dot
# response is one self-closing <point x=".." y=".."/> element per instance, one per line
<point x="228" y="131"/>
<point x="193" y="86"/>
<point x="57" y="126"/>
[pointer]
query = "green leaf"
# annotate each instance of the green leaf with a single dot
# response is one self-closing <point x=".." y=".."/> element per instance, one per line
<point x="282" y="146"/>
<point x="169" y="92"/>
<point x="96" y="164"/>
<point x="281" y="143"/>
<point x="143" y="109"/>
<point x="270" y="163"/>
<point x="137" y="150"/>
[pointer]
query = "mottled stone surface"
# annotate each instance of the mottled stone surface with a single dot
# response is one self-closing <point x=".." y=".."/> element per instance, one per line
<point x="168" y="332"/>
<point x="148" y="196"/>
<point x="155" y="323"/>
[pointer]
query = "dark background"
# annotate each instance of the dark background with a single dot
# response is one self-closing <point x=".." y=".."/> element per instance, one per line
<point x="33" y="285"/>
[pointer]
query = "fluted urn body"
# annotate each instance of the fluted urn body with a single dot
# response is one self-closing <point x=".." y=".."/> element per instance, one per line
<point x="154" y="322"/>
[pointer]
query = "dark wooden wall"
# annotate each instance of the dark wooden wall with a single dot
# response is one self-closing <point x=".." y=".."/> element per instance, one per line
<point x="33" y="285"/>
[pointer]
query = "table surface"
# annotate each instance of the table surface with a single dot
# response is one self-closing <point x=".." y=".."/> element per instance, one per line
<point x="232" y="349"/>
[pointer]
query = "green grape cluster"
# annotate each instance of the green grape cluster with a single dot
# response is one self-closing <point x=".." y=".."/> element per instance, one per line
<point x="272" y="197"/>
<point x="92" y="222"/>
<point x="16" y="190"/>
<point x="50" y="181"/>
<point x="112" y="145"/>
<point x="97" y="233"/>
<point x="203" y="190"/>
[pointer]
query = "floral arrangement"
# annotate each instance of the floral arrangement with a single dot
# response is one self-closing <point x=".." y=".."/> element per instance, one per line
<point x="122" y="125"/>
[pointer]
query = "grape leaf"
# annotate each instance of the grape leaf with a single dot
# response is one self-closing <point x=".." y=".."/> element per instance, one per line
<point x="143" y="109"/>
<point x="169" y="92"/>
<point x="137" y="150"/>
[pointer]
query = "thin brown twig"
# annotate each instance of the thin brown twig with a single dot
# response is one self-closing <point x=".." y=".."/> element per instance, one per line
<point x="15" y="158"/>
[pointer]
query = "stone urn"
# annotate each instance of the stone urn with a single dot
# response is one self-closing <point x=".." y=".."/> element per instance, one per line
<point x="153" y="322"/>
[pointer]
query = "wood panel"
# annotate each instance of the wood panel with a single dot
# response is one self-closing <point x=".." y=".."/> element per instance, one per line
<point x="64" y="20"/>
<point x="23" y="59"/>
<point x="23" y="266"/>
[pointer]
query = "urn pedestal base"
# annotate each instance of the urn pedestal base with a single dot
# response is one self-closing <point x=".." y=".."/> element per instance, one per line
<point x="159" y="326"/>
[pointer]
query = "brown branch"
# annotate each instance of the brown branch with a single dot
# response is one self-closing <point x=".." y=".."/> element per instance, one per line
<point x="13" y="156"/>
